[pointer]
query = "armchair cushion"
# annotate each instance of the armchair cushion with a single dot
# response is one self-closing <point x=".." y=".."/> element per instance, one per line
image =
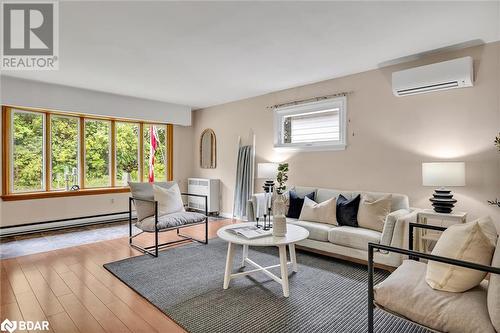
<point x="494" y="290"/>
<point x="405" y="293"/>
<point x="475" y="242"/>
<point x="173" y="220"/>
<point x="145" y="191"/>
<point x="169" y="199"/>
<point x="357" y="238"/>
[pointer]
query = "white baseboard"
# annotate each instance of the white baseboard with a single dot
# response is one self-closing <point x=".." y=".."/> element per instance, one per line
<point x="61" y="225"/>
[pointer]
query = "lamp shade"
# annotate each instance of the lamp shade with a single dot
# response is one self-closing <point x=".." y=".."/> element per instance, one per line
<point x="267" y="170"/>
<point x="443" y="174"/>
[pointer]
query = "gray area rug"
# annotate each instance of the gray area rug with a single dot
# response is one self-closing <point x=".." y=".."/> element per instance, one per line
<point x="326" y="295"/>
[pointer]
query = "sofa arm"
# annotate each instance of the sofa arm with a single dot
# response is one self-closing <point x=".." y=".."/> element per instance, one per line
<point x="390" y="225"/>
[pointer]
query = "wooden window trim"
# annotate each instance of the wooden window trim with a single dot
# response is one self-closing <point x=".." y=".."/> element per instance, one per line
<point x="48" y="193"/>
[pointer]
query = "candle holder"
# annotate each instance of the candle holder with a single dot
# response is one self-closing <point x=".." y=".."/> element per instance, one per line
<point x="257" y="224"/>
<point x="267" y="223"/>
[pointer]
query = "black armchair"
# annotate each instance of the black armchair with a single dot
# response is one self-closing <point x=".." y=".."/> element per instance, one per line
<point x="157" y="230"/>
<point x="414" y="255"/>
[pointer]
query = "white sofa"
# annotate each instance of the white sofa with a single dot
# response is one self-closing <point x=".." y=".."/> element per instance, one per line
<point x="351" y="242"/>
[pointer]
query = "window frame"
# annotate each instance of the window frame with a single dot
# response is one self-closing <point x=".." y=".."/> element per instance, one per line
<point x="8" y="193"/>
<point x="281" y="113"/>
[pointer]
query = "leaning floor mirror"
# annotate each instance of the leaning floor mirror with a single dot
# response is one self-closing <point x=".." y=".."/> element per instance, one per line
<point x="208" y="149"/>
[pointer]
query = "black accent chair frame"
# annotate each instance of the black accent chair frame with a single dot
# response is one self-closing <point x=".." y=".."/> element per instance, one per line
<point x="414" y="255"/>
<point x="156" y="246"/>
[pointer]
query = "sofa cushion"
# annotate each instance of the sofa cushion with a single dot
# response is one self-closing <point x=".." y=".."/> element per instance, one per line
<point x="347" y="211"/>
<point x="494" y="290"/>
<point x="357" y="238"/>
<point x="317" y="231"/>
<point x="373" y="211"/>
<point x="474" y="242"/>
<point x="170" y="221"/>
<point x="296" y="202"/>
<point x="145" y="191"/>
<point x="406" y="293"/>
<point x="323" y="212"/>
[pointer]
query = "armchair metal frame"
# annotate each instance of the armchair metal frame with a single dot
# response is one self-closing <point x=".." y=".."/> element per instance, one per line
<point x="157" y="246"/>
<point x="414" y="255"/>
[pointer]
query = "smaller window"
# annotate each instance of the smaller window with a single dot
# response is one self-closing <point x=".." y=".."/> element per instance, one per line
<point x="311" y="126"/>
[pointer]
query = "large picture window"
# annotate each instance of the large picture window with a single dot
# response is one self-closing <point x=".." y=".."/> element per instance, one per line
<point x="45" y="151"/>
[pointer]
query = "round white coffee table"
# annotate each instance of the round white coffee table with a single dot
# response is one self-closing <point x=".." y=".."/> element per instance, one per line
<point x="294" y="234"/>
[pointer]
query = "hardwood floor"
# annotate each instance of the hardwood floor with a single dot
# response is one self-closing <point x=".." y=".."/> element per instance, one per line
<point x="70" y="288"/>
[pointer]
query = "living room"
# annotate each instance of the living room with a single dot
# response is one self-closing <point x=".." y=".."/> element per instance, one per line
<point x="319" y="165"/>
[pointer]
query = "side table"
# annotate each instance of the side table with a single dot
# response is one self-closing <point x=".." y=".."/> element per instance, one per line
<point x="424" y="238"/>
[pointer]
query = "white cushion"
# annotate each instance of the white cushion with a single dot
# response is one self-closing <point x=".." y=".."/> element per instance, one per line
<point x="144" y="191"/>
<point x="357" y="238"/>
<point x="494" y="290"/>
<point x="169" y="199"/>
<point x="405" y="293"/>
<point x="474" y="242"/>
<point x="317" y="231"/>
<point x="373" y="211"/>
<point x="324" y="212"/>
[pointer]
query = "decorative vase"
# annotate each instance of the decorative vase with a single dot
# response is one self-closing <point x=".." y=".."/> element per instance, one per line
<point x="126" y="178"/>
<point x="279" y="226"/>
<point x="279" y="219"/>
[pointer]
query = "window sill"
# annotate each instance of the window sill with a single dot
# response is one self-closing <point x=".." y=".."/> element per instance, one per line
<point x="312" y="147"/>
<point x="59" y="194"/>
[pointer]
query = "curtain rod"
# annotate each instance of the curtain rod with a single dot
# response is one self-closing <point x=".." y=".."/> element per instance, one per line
<point x="313" y="99"/>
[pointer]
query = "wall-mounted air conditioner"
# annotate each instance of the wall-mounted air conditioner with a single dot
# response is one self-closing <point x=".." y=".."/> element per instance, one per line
<point x="456" y="73"/>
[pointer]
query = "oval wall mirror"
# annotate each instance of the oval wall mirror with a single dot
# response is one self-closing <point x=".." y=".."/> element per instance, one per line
<point x="208" y="149"/>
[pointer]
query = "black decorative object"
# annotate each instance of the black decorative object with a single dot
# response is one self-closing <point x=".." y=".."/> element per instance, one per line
<point x="257" y="220"/>
<point x="494" y="202"/>
<point x="347" y="210"/>
<point x="268" y="186"/>
<point x="267" y="220"/>
<point x="443" y="201"/>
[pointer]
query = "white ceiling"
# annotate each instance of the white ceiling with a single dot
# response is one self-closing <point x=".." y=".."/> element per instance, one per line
<point x="207" y="53"/>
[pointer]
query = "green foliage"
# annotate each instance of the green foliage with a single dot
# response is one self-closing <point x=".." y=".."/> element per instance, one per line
<point x="282" y="178"/>
<point x="64" y="146"/>
<point x="28" y="151"/>
<point x="127" y="151"/>
<point x="97" y="149"/>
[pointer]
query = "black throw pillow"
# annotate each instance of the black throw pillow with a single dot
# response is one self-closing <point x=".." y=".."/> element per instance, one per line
<point x="296" y="204"/>
<point x="347" y="210"/>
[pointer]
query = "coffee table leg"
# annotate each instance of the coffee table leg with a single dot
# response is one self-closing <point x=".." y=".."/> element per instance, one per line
<point x="244" y="256"/>
<point x="229" y="264"/>
<point x="284" y="270"/>
<point x="293" y="257"/>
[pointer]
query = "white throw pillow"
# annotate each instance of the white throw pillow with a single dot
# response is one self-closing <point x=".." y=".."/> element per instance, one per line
<point x="169" y="199"/>
<point x="474" y="242"/>
<point x="324" y="212"/>
<point x="373" y="212"/>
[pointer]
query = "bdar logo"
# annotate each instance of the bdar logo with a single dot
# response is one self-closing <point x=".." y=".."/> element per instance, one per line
<point x="8" y="325"/>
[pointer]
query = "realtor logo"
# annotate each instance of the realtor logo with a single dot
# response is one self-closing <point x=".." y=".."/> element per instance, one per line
<point x="8" y="325"/>
<point x="30" y="36"/>
<point x="11" y="326"/>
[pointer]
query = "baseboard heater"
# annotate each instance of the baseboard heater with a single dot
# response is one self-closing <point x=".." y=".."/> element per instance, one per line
<point x="29" y="228"/>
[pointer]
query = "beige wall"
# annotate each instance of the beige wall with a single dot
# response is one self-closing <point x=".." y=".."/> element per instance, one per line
<point x="27" y="211"/>
<point x="388" y="137"/>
